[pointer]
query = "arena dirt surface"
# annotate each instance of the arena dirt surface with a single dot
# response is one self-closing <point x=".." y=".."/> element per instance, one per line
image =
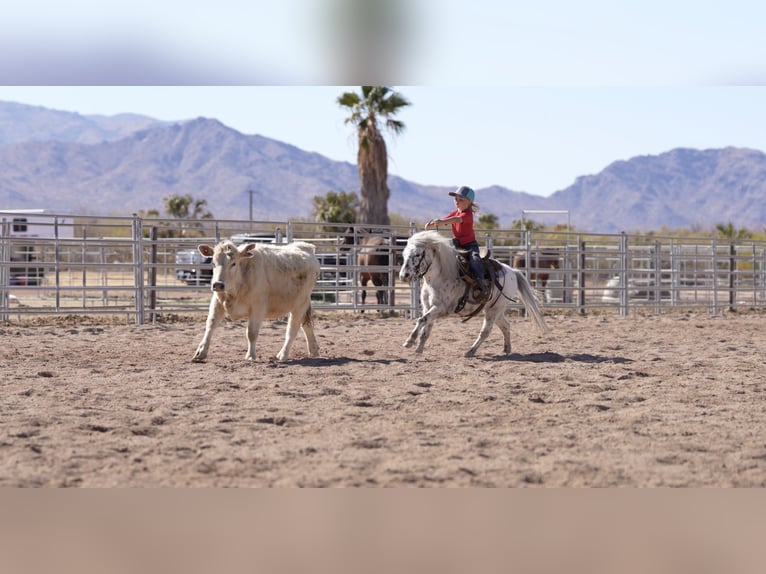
<point x="599" y="401"/>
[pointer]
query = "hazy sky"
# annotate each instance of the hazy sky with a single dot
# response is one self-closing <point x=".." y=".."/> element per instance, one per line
<point x="528" y="95"/>
<point x="431" y="42"/>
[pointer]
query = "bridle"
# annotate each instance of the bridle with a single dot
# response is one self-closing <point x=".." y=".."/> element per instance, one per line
<point x="417" y="264"/>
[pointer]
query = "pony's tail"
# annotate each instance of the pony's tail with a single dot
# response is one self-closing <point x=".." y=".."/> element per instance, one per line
<point x="531" y="300"/>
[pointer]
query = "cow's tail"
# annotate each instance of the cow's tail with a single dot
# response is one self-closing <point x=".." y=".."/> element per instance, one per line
<point x="308" y="317"/>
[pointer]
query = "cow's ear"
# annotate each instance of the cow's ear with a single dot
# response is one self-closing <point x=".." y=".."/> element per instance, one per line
<point x="247" y="250"/>
<point x="206" y="250"/>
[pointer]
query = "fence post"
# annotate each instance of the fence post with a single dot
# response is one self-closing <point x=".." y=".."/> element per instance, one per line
<point x="581" y="275"/>
<point x="715" y="277"/>
<point x="84" y="262"/>
<point x="657" y="275"/>
<point x="153" y="272"/>
<point x="56" y="267"/>
<point x="138" y="262"/>
<point x="762" y="274"/>
<point x="624" y="275"/>
<point x="392" y="270"/>
<point x="488" y="243"/>
<point x="732" y="274"/>
<point x="755" y="277"/>
<point x="5" y="257"/>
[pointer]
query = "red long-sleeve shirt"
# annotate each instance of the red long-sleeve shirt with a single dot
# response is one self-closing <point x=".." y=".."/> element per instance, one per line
<point x="463" y="229"/>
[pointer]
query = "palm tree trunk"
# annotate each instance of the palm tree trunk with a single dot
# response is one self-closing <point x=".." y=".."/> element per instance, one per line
<point x="372" y="162"/>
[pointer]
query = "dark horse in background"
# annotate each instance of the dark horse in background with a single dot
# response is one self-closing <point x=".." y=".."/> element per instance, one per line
<point x="374" y="251"/>
<point x="540" y="262"/>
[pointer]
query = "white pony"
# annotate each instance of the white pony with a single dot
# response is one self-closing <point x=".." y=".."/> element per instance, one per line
<point x="431" y="257"/>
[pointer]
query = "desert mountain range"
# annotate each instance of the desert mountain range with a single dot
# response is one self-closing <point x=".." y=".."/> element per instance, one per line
<point x="117" y="165"/>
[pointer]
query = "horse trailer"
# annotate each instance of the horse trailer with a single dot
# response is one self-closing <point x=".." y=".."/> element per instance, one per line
<point x="24" y="234"/>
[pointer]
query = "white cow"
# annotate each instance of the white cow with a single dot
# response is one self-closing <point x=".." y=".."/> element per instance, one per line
<point x="262" y="281"/>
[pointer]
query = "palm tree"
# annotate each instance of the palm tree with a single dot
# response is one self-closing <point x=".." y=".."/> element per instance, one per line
<point x="373" y="104"/>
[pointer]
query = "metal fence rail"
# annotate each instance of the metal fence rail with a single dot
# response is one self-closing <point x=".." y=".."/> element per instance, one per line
<point x="144" y="269"/>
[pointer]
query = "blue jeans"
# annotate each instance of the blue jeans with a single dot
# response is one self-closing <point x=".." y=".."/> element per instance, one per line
<point x="474" y="261"/>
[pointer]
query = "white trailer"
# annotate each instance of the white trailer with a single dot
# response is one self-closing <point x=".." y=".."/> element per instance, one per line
<point x="23" y="235"/>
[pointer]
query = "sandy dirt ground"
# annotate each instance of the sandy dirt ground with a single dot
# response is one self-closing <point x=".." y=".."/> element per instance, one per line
<point x="599" y="401"/>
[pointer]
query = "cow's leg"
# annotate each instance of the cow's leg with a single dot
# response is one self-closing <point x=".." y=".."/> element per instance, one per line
<point x="214" y="317"/>
<point x="308" y="331"/>
<point x="253" y="326"/>
<point x="293" y="324"/>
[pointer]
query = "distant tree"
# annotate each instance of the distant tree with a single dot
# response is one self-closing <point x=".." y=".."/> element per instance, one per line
<point x="404" y="221"/>
<point x="527" y="225"/>
<point x="335" y="207"/>
<point x="185" y="209"/>
<point x="373" y="104"/>
<point x="728" y="231"/>
<point x="487" y="221"/>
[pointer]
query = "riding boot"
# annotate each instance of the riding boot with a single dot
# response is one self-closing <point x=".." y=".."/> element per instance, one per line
<point x="480" y="292"/>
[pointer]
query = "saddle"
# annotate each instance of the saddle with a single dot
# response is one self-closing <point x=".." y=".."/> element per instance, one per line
<point x="490" y="268"/>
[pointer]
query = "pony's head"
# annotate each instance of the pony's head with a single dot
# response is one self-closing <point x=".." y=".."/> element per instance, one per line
<point x="420" y="251"/>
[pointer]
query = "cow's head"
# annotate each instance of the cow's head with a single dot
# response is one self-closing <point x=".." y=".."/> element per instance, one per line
<point x="227" y="261"/>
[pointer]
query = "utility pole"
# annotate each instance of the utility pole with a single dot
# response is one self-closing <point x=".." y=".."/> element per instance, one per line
<point x="251" y="191"/>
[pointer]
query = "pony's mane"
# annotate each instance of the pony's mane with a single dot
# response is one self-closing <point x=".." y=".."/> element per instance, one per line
<point x="441" y="246"/>
<point x="430" y="238"/>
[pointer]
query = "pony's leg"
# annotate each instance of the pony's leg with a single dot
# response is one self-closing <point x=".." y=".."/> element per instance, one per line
<point x="486" y="328"/>
<point x="492" y="315"/>
<point x="414" y="333"/>
<point x="425" y="331"/>
<point x="418" y="323"/>
<point x="505" y="328"/>
<point x="422" y="329"/>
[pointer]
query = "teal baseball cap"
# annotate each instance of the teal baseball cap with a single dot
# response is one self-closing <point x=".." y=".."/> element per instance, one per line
<point x="464" y="191"/>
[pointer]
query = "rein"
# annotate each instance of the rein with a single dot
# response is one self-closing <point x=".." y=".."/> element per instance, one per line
<point x="420" y="274"/>
<point x="493" y="281"/>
